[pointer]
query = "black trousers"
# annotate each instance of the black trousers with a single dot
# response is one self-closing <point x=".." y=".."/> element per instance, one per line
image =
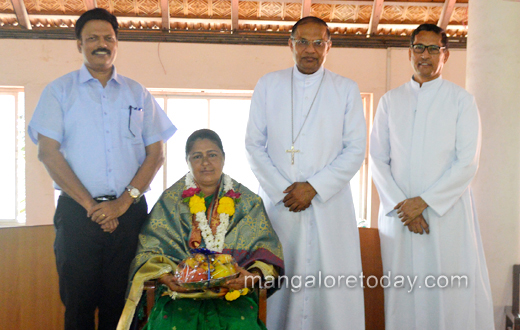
<point x="93" y="265"/>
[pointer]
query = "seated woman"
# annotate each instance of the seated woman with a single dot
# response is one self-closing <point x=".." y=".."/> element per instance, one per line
<point x="228" y="219"/>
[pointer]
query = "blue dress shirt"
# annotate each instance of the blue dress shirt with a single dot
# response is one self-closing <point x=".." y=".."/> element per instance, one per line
<point x="103" y="132"/>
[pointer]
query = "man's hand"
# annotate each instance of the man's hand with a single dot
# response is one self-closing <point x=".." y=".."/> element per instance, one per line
<point x="411" y="208"/>
<point x="110" y="226"/>
<point x="299" y="196"/>
<point x="417" y="225"/>
<point x="245" y="279"/>
<point x="105" y="212"/>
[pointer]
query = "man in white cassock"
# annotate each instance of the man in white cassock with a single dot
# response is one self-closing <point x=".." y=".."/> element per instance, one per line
<point x="306" y="138"/>
<point x="424" y="148"/>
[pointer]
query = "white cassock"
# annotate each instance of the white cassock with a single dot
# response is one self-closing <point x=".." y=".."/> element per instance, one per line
<point x="426" y="142"/>
<point x="323" y="238"/>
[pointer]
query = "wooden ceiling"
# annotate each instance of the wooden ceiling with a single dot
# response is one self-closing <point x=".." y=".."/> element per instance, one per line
<point x="353" y="23"/>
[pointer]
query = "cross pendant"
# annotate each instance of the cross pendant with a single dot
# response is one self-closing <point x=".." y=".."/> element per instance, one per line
<point x="292" y="151"/>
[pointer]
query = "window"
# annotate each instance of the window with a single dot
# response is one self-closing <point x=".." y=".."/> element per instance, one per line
<point x="12" y="155"/>
<point x="190" y="110"/>
<point x="361" y="184"/>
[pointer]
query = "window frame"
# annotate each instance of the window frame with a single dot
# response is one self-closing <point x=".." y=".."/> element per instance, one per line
<point x="18" y="93"/>
<point x="199" y="94"/>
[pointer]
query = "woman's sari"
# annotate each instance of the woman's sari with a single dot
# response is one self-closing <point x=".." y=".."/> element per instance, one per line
<point x="165" y="241"/>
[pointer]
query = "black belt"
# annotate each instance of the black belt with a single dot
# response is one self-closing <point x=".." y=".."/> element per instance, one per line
<point x="97" y="199"/>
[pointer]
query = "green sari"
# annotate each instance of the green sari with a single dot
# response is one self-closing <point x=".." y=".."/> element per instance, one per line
<point x="164" y="242"/>
<point x="206" y="314"/>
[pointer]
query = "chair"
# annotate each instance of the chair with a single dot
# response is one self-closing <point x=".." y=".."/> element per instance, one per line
<point x="149" y="288"/>
<point x="512" y="312"/>
<point x="372" y="266"/>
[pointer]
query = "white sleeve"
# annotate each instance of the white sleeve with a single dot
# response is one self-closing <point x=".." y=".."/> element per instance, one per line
<point x="271" y="180"/>
<point x="335" y="176"/>
<point x="389" y="192"/>
<point x="444" y="193"/>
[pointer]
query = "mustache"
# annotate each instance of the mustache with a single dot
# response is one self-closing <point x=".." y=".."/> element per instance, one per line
<point x="102" y="49"/>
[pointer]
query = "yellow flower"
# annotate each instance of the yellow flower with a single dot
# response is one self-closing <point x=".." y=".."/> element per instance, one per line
<point x="226" y="205"/>
<point x="232" y="295"/>
<point x="244" y="291"/>
<point x="197" y="204"/>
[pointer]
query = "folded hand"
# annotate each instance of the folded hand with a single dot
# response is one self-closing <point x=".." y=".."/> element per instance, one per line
<point x="299" y="196"/>
<point x="417" y="225"/>
<point x="411" y="208"/>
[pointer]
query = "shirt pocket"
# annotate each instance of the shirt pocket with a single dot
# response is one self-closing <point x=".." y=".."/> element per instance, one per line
<point x="133" y="124"/>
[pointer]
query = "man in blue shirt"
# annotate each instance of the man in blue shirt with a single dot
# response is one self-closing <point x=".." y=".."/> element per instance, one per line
<point x="100" y="136"/>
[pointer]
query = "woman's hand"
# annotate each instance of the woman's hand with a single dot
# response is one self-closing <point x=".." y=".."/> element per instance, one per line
<point x="170" y="281"/>
<point x="245" y="279"/>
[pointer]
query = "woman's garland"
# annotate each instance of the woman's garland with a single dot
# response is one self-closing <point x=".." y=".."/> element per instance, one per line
<point x="226" y="208"/>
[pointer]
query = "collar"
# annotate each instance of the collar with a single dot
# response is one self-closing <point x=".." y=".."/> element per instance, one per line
<point x="84" y="75"/>
<point x="313" y="77"/>
<point x="426" y="85"/>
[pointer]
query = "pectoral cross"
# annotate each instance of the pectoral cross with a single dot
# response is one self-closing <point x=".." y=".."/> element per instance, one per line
<point x="292" y="151"/>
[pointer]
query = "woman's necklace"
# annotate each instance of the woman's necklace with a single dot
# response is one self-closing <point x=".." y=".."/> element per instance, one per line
<point x="226" y="208"/>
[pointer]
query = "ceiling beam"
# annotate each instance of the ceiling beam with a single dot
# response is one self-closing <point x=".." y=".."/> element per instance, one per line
<point x="306" y="8"/>
<point x="90" y="4"/>
<point x="377" y="9"/>
<point x="165" y="15"/>
<point x="447" y="10"/>
<point x="21" y="14"/>
<point x="278" y="39"/>
<point x="234" y="15"/>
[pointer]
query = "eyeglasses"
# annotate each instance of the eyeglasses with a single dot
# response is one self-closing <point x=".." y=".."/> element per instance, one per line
<point x="130" y="108"/>
<point x="432" y="49"/>
<point x="304" y="43"/>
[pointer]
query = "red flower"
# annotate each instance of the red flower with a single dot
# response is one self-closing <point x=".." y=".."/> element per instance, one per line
<point x="190" y="192"/>
<point x="233" y="194"/>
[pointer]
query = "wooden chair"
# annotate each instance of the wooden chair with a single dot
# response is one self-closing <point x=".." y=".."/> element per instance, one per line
<point x="372" y="265"/>
<point x="512" y="312"/>
<point x="150" y="286"/>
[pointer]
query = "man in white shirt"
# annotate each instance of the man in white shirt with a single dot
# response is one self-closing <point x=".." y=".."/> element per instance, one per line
<point x="306" y="138"/>
<point x="424" y="149"/>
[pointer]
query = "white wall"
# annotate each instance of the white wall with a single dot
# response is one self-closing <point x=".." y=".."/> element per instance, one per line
<point x="32" y="64"/>
<point x="493" y="78"/>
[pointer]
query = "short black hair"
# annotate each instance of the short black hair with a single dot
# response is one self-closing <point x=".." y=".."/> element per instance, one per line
<point x="202" y="134"/>
<point x="430" y="28"/>
<point x="309" y="19"/>
<point x="95" y="14"/>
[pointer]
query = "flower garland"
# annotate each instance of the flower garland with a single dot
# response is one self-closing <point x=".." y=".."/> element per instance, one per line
<point x="226" y="208"/>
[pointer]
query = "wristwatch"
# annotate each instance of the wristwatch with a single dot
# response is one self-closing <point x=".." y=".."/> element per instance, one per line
<point x="134" y="193"/>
